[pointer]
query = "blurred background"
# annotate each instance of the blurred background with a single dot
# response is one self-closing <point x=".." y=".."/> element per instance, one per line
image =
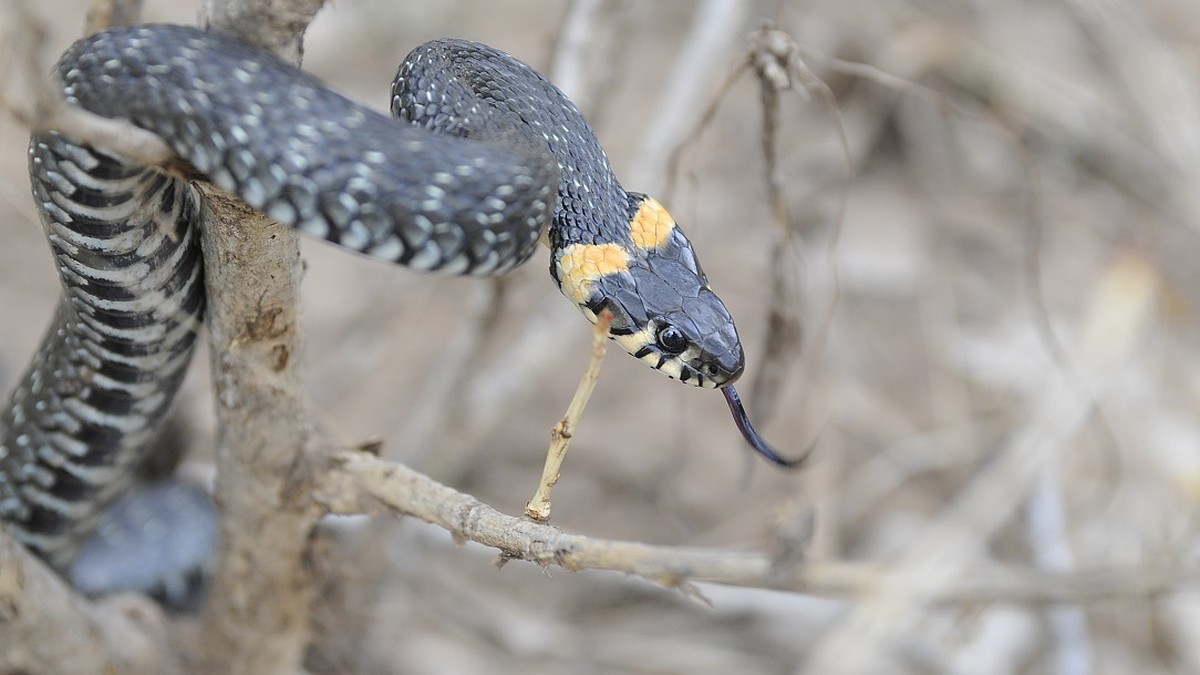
<point x="994" y="365"/>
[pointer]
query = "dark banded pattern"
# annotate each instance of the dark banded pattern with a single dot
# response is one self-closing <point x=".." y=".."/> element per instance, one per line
<point x="126" y="243"/>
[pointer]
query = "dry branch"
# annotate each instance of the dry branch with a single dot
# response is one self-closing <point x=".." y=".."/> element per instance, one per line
<point x="257" y="617"/>
<point x="361" y="482"/>
<point x="48" y="628"/>
<point x="538" y="507"/>
<point x="274" y="25"/>
<point x="774" y="59"/>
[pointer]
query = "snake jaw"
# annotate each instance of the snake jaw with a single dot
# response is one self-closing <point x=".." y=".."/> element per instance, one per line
<point x="641" y="345"/>
<point x="691" y="366"/>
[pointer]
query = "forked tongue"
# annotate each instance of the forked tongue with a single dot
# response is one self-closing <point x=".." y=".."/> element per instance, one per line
<point x="751" y="435"/>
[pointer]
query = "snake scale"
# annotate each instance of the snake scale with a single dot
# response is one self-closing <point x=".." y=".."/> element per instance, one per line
<point x="483" y="157"/>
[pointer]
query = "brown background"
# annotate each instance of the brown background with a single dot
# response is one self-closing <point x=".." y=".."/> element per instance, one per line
<point x="930" y="363"/>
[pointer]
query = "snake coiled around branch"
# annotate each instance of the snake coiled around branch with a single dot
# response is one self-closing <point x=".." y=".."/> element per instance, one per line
<point x="485" y="155"/>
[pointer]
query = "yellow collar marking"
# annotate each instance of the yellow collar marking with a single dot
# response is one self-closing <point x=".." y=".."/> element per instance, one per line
<point x="651" y="227"/>
<point x="579" y="265"/>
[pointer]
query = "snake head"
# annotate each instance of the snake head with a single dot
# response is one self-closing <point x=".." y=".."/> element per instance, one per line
<point x="664" y="312"/>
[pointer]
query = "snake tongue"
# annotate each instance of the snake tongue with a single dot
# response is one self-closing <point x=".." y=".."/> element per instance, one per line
<point x="751" y="434"/>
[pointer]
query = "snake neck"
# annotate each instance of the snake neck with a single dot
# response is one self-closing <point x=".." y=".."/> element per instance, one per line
<point x="455" y="87"/>
<point x="610" y="249"/>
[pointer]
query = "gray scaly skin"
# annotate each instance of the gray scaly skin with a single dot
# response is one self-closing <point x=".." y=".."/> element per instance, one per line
<point x="467" y="89"/>
<point x="487" y="156"/>
<point x="126" y="245"/>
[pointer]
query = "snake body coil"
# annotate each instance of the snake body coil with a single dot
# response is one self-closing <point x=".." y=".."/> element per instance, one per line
<point x="486" y="155"/>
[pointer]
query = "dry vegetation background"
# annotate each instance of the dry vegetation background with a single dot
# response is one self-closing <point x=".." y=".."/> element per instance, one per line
<point x="961" y="419"/>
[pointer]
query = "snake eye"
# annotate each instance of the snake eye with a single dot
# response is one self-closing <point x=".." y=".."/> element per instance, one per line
<point x="671" y="339"/>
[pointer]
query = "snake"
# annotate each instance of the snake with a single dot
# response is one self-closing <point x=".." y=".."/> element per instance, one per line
<point x="482" y="159"/>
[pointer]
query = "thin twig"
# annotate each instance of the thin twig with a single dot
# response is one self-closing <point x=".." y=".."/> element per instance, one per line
<point x="784" y="294"/>
<point x="773" y="54"/>
<point x="538" y="507"/>
<point x="774" y="58"/>
<point x="692" y="137"/>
